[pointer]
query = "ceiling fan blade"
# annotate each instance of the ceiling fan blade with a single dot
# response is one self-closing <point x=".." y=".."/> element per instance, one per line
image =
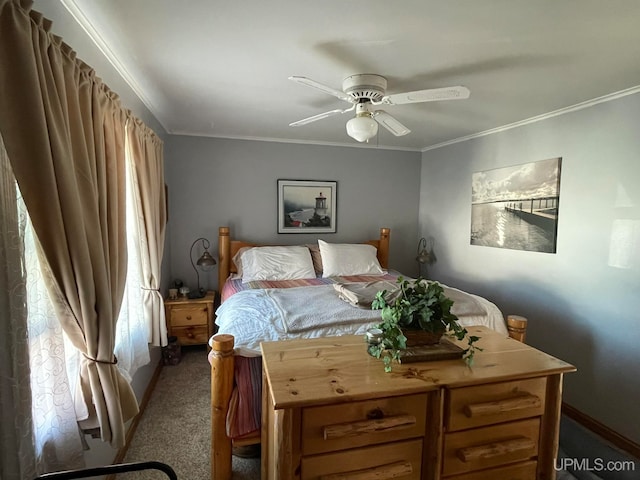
<point x="323" y="88"/>
<point x="430" y="95"/>
<point x="320" y="116"/>
<point x="390" y="123"/>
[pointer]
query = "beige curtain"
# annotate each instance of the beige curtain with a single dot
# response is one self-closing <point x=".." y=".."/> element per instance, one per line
<point x="64" y="135"/>
<point x="146" y="155"/>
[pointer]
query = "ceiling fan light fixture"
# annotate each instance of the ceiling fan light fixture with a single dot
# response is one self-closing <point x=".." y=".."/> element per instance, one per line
<point x="362" y="127"/>
<point x="365" y="92"/>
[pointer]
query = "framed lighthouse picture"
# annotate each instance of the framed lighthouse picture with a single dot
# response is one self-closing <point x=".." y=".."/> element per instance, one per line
<point x="307" y="206"/>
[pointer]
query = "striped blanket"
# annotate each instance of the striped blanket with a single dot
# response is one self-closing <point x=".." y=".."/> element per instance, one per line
<point x="235" y="285"/>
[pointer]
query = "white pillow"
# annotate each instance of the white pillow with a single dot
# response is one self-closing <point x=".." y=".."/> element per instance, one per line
<point x="237" y="261"/>
<point x="349" y="259"/>
<point x="276" y="263"/>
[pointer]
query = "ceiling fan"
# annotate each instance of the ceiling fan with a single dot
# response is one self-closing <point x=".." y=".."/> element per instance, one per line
<point x="365" y="92"/>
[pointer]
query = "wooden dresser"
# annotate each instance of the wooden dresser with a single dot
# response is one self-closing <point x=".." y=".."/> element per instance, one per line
<point x="191" y="320"/>
<point x="331" y="412"/>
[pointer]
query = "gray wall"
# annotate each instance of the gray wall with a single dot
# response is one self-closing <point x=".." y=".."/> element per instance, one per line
<point x="222" y="182"/>
<point x="581" y="307"/>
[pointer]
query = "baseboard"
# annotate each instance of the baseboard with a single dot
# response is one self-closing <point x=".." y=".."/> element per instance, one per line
<point x="122" y="452"/>
<point x="603" y="431"/>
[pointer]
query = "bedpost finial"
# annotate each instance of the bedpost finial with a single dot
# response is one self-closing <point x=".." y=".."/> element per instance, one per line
<point x="222" y="344"/>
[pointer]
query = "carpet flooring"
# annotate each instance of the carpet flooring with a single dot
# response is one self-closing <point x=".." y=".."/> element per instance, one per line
<point x="175" y="428"/>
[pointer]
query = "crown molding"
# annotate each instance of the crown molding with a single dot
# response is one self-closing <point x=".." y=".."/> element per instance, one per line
<point x="302" y="142"/>
<point x="538" y="118"/>
<point x="77" y="13"/>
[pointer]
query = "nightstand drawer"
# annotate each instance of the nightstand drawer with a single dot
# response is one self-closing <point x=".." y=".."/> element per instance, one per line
<point x="191" y="335"/>
<point x="394" y="460"/>
<point x="186" y="316"/>
<point x="471" y="407"/>
<point x="336" y="427"/>
<point x="486" y="447"/>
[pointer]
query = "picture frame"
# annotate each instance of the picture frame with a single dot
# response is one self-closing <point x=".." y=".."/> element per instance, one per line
<point x="517" y="207"/>
<point x="307" y="206"/>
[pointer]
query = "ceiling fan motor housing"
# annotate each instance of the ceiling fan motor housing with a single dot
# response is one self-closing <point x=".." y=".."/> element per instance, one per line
<point x="365" y="86"/>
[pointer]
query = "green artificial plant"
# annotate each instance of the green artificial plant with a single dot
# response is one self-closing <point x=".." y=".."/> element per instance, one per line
<point x="421" y="305"/>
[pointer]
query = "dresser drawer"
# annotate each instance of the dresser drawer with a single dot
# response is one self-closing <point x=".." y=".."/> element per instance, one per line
<point x="470" y="407"/>
<point x="517" y="471"/>
<point x="195" y="315"/>
<point x="191" y="335"/>
<point x="348" y="425"/>
<point x="493" y="446"/>
<point x="394" y="460"/>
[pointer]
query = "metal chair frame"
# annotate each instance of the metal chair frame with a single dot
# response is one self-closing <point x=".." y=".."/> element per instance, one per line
<point x="109" y="470"/>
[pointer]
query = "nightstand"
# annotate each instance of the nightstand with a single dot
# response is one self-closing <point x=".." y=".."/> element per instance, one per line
<point x="191" y="320"/>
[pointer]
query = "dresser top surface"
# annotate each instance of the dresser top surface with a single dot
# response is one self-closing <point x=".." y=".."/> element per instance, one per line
<point x="339" y="369"/>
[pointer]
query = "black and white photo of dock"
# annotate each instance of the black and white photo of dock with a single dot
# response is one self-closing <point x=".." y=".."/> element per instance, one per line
<point x="516" y="207"/>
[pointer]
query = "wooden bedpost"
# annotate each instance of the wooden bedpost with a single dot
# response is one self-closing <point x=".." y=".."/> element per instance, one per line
<point x="221" y="387"/>
<point x="224" y="261"/>
<point x="517" y="327"/>
<point x="383" y="247"/>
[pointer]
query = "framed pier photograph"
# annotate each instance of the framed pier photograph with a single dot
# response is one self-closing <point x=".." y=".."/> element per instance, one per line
<point x="517" y="207"/>
<point x="307" y="206"/>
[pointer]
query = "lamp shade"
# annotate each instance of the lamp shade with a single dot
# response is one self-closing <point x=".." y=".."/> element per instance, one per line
<point x="362" y="128"/>
<point x="423" y="257"/>
<point x="206" y="260"/>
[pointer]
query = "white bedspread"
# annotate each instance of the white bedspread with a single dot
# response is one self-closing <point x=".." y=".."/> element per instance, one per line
<point x="262" y="315"/>
<point x="307" y="308"/>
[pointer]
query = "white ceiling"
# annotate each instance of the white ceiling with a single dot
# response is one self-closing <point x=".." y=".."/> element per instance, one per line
<point x="220" y="68"/>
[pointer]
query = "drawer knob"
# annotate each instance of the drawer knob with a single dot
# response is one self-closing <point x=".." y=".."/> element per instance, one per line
<point x="496" y="449"/>
<point x="521" y="402"/>
<point x="382" y="472"/>
<point x="188" y="317"/>
<point x="365" y="427"/>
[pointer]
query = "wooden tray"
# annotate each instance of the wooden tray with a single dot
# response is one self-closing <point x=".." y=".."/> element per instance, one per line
<point x="425" y="353"/>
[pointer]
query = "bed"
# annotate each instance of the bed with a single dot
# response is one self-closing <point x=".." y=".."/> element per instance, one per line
<point x="271" y="293"/>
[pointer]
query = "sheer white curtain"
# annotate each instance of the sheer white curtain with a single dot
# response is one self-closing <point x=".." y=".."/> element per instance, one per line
<point x="46" y="435"/>
<point x="17" y="456"/>
<point x="131" y="348"/>
<point x="54" y="366"/>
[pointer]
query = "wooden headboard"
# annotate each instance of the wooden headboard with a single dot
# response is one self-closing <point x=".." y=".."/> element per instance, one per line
<point x="227" y="248"/>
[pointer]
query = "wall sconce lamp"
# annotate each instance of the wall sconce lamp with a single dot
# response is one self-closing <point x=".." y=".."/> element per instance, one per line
<point x="205" y="260"/>
<point x="425" y="254"/>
